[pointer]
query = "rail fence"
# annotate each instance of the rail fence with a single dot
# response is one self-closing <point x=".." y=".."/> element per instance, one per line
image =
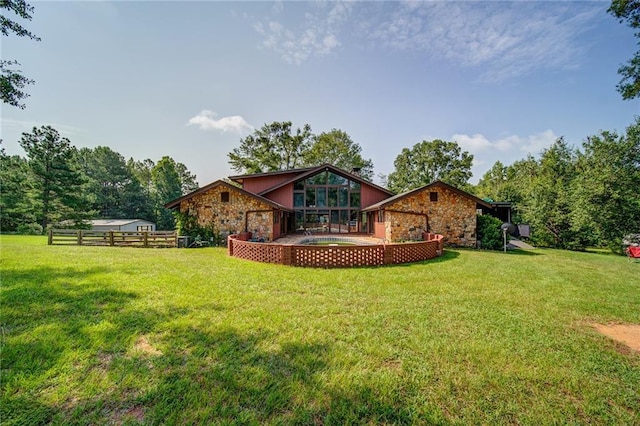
<point x="336" y="256"/>
<point x="82" y="237"/>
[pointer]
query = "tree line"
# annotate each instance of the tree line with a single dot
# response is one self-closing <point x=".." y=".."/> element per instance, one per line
<point x="60" y="185"/>
<point x="574" y="198"/>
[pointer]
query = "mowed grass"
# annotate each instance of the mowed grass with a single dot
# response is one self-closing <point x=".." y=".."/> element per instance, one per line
<point x="101" y="335"/>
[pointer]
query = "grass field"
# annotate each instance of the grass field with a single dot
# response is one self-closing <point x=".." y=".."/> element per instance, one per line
<point x="107" y="335"/>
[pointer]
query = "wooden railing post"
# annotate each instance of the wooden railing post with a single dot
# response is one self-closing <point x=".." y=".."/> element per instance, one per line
<point x="111" y="242"/>
<point x="50" y="238"/>
<point x="145" y="238"/>
<point x="79" y="233"/>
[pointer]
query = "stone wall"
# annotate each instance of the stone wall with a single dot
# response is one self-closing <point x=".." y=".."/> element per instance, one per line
<point x="452" y="215"/>
<point x="229" y="217"/>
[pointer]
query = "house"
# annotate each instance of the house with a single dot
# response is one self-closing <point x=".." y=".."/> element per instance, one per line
<point x="328" y="199"/>
<point x="135" y="225"/>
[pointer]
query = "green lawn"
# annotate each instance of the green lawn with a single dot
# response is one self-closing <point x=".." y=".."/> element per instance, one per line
<point x="99" y="335"/>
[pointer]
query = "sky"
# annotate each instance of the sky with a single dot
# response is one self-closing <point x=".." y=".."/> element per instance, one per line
<point x="191" y="79"/>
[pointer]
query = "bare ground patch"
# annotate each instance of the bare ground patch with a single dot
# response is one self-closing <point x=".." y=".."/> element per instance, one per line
<point x="627" y="334"/>
<point x="143" y="345"/>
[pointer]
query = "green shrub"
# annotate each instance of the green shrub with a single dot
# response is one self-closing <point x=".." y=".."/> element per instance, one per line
<point x="188" y="225"/>
<point x="489" y="232"/>
<point x="30" y="229"/>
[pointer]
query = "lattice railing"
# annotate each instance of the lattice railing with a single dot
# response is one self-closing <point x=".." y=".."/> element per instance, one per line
<point x="258" y="252"/>
<point x="413" y="252"/>
<point x="336" y="256"/>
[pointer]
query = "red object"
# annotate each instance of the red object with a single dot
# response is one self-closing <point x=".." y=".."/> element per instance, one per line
<point x="634" y="252"/>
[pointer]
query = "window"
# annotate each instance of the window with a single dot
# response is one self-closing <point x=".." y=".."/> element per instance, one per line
<point x="142" y="228"/>
<point x="321" y="200"/>
<point x="319" y="179"/>
<point x="355" y="200"/>
<point x="327" y="199"/>
<point x="433" y="196"/>
<point x="334" y="179"/>
<point x="343" y="197"/>
<point x="311" y="197"/>
<point x="224" y="197"/>
<point x="333" y="197"/>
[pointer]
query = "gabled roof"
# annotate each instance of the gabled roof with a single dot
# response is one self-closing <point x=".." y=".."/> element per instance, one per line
<point x="326" y="166"/>
<point x="395" y="198"/>
<point x="175" y="203"/>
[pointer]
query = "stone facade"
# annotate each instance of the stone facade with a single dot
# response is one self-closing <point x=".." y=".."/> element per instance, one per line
<point x="451" y="215"/>
<point x="231" y="216"/>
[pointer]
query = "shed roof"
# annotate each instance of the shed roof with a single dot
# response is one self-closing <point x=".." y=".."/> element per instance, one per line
<point x="115" y="222"/>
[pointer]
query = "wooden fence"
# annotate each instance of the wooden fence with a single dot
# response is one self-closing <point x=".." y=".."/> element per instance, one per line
<point x="84" y="237"/>
<point x="336" y="256"/>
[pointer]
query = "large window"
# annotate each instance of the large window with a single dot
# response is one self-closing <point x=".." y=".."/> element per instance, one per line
<point x="327" y="202"/>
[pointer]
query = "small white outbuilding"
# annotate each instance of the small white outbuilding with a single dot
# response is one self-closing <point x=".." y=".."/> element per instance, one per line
<point x="133" y="225"/>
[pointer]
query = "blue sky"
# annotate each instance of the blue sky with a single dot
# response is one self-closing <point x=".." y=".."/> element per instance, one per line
<point x="190" y="79"/>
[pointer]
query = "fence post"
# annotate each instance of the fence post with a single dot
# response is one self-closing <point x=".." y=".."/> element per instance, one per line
<point x="111" y="242"/>
<point x="146" y="238"/>
<point x="79" y="233"/>
<point x="388" y="254"/>
<point x="286" y="255"/>
<point x="50" y="238"/>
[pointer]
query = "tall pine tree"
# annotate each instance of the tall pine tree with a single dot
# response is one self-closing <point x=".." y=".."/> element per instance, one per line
<point x="57" y="191"/>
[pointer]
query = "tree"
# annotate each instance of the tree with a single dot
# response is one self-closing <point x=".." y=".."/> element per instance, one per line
<point x="549" y="199"/>
<point x="15" y="206"/>
<point x="12" y="82"/>
<point x="607" y="190"/>
<point x="116" y="192"/>
<point x="271" y="148"/>
<point x="188" y="182"/>
<point x="492" y="183"/>
<point x="58" y="191"/>
<point x="628" y="10"/>
<point x="167" y="177"/>
<point x="429" y="161"/>
<point x="337" y="148"/>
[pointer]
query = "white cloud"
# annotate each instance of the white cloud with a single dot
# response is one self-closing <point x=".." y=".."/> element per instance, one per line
<point x="502" y="40"/>
<point x="532" y="144"/>
<point x="207" y="120"/>
<point x="317" y="34"/>
<point x="478" y="142"/>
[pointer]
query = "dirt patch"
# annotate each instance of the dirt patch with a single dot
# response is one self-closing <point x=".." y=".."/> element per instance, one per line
<point x="628" y="334"/>
<point x="143" y="345"/>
